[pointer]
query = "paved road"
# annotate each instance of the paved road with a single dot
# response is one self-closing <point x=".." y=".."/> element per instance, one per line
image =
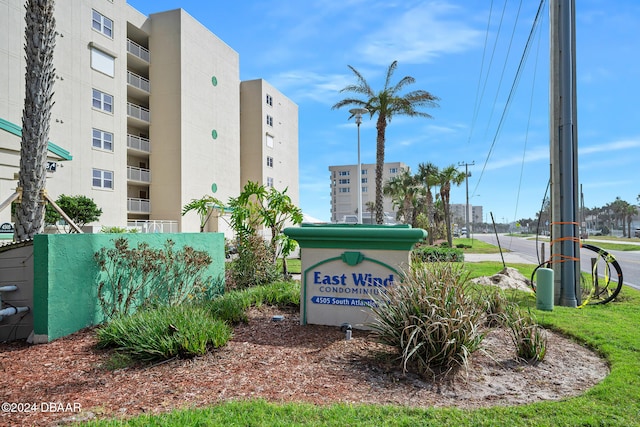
<point x="523" y="250"/>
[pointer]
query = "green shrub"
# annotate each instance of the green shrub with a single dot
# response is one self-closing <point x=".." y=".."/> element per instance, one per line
<point x="429" y="319"/>
<point x="278" y="293"/>
<point x="437" y="254"/>
<point x="133" y="277"/>
<point x="115" y="229"/>
<point x="164" y="332"/>
<point x="231" y="307"/>
<point x="255" y="264"/>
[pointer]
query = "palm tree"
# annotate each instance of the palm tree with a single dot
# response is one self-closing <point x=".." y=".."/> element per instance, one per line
<point x="386" y="103"/>
<point x="39" y="77"/>
<point x="428" y="175"/>
<point x="404" y="190"/>
<point x="630" y="212"/>
<point x="204" y="207"/>
<point x="449" y="175"/>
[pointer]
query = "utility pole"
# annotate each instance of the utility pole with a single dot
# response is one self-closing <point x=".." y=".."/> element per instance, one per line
<point x="466" y="180"/>
<point x="565" y="240"/>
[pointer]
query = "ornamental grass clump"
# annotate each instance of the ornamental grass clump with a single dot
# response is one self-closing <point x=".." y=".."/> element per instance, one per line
<point x="165" y="332"/>
<point x="429" y="318"/>
<point x="529" y="338"/>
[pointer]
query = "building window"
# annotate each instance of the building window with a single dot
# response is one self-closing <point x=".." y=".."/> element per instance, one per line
<point x="364" y="189"/>
<point x="343" y="190"/>
<point x="102" y="140"/>
<point x="364" y="171"/>
<point x="269" y="161"/>
<point x="365" y="180"/>
<point x="343" y="173"/>
<point x="102" y="24"/>
<point x="269" y="182"/>
<point x="343" y="181"/>
<point x="393" y="170"/>
<point x="103" y="62"/>
<point x="269" y="120"/>
<point x="269" y="141"/>
<point x="102" y="178"/>
<point x="102" y="101"/>
<point x="269" y="100"/>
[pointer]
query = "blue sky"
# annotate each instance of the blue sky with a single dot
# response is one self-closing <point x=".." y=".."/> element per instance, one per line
<point x="466" y="52"/>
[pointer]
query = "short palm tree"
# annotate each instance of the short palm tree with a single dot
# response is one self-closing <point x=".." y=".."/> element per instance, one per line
<point x="386" y="103"/>
<point x="40" y="36"/>
<point x="428" y="175"/>
<point x="449" y="175"/>
<point x="404" y="190"/>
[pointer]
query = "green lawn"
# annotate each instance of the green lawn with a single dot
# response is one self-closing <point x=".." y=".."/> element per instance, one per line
<point x="610" y="329"/>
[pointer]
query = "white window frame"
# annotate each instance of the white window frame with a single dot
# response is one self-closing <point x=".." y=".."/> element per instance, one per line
<point x="102" y="101"/>
<point x="269" y="100"/>
<point x="269" y="120"/>
<point x="101" y="23"/>
<point x="393" y="170"/>
<point x="269" y="141"/>
<point x="344" y="190"/>
<point x="269" y="182"/>
<point x="102" y="140"/>
<point x="102" y="179"/>
<point x="344" y="181"/>
<point x="269" y="161"/>
<point x="343" y="173"/>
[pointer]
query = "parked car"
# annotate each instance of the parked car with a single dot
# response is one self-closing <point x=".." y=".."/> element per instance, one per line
<point x="637" y="232"/>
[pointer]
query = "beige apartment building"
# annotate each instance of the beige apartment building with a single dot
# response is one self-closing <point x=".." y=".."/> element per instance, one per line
<point x="149" y="114"/>
<point x="344" y="190"/>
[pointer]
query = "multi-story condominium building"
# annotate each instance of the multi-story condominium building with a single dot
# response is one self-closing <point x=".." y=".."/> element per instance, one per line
<point x="269" y="137"/>
<point x="149" y="114"/>
<point x="344" y="189"/>
<point x="459" y="219"/>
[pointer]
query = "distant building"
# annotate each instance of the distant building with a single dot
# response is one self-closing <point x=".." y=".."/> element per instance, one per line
<point x="459" y="219"/>
<point x="149" y="114"/>
<point x="344" y="189"/>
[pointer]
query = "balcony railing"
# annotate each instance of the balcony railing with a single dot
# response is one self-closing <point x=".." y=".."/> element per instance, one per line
<point x="138" y="112"/>
<point x="138" y="205"/>
<point x="138" y="174"/>
<point x="138" y="143"/>
<point x="159" y="226"/>
<point x="139" y="51"/>
<point x="138" y="81"/>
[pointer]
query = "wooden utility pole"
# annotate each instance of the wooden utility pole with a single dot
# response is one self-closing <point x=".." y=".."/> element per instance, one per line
<point x="565" y="238"/>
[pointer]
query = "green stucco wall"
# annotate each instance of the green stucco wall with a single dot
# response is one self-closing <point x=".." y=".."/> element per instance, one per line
<point x="65" y="275"/>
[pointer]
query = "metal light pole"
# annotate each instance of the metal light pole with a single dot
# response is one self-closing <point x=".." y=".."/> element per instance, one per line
<point x="357" y="113"/>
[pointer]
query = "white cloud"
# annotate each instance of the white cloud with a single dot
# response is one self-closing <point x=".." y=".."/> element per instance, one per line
<point x="420" y="35"/>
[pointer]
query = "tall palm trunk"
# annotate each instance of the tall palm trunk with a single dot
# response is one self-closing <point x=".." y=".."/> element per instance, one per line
<point x="381" y="126"/>
<point x="39" y="78"/>
<point x="430" y="215"/>
<point x="445" y="190"/>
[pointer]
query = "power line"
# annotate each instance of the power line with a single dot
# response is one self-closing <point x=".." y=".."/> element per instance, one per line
<point x="513" y="89"/>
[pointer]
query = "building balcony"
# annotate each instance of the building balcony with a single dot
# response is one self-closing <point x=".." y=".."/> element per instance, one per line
<point x="138" y="51"/>
<point x="154" y="226"/>
<point x="138" y="112"/>
<point x="139" y="206"/>
<point x="138" y="87"/>
<point x="138" y="175"/>
<point x="138" y="143"/>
